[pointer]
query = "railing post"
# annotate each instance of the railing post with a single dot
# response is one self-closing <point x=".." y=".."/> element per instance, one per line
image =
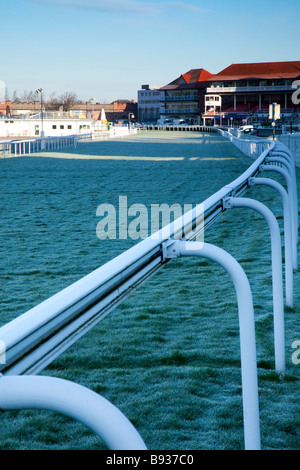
<point x="288" y="237"/>
<point x="73" y="400"/>
<point x="283" y="151"/>
<point x="293" y="202"/>
<point x="278" y="307"/>
<point x="291" y="171"/>
<point x="246" y="325"/>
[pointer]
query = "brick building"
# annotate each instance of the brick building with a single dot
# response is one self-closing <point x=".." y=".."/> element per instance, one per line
<point x="5" y="108"/>
<point x="118" y="110"/>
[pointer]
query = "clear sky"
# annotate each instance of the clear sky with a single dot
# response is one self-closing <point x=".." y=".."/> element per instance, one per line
<point x="106" y="49"/>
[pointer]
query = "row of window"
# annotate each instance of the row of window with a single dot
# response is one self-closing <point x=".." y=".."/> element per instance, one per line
<point x="149" y="101"/>
<point x="61" y="126"/>
<point x="248" y="83"/>
<point x="212" y="98"/>
<point x="69" y="126"/>
<point x="149" y="93"/>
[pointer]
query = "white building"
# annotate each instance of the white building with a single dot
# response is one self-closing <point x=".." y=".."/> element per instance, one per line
<point x="32" y="127"/>
<point x="151" y="103"/>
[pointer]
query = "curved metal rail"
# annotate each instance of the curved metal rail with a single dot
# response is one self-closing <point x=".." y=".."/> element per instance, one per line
<point x="33" y="340"/>
<point x="36" y="338"/>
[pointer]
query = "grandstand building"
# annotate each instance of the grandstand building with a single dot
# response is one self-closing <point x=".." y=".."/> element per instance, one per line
<point x="184" y="96"/>
<point x="243" y="93"/>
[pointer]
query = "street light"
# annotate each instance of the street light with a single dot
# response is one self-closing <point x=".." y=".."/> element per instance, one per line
<point x="41" y="91"/>
<point x="91" y="100"/>
<point x="129" y="117"/>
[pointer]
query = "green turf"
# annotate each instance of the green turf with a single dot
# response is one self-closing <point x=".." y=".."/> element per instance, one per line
<point x="169" y="356"/>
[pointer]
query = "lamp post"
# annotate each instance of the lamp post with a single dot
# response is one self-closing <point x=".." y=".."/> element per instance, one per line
<point x="91" y="100"/>
<point x="129" y="117"/>
<point x="41" y="91"/>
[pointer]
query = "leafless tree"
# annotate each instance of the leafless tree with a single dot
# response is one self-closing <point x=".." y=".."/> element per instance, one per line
<point x="25" y="97"/>
<point x="68" y="99"/>
<point x="53" y="103"/>
<point x="15" y="98"/>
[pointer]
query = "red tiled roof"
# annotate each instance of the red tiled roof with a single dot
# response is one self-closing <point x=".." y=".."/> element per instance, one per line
<point x="264" y="70"/>
<point x="186" y="77"/>
<point x="190" y="79"/>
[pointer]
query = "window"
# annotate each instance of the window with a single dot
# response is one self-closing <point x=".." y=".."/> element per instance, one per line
<point x="61" y="126"/>
<point x="54" y="126"/>
<point x="69" y="126"/>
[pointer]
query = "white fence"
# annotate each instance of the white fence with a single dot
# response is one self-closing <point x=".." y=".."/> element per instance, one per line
<point x="292" y="141"/>
<point x="15" y="148"/>
<point x="33" y="340"/>
<point x="113" y="132"/>
<point x="251" y="148"/>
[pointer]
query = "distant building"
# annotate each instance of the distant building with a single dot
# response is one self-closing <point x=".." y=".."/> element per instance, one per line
<point x="121" y="110"/>
<point x="52" y="126"/>
<point x="244" y="91"/>
<point x="150" y="103"/>
<point x="184" y="97"/>
<point x="118" y="110"/>
<point x="5" y="108"/>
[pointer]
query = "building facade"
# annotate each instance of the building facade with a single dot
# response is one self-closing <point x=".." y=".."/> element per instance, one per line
<point x="5" y="108"/>
<point x="116" y="111"/>
<point x="32" y="128"/>
<point x="150" y="103"/>
<point x="184" y="97"/>
<point x="243" y="92"/>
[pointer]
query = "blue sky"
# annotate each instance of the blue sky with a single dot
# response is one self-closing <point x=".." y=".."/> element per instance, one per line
<point x="108" y="48"/>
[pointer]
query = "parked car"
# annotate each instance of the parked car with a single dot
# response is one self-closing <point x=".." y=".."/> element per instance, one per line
<point x="244" y="128"/>
<point x="248" y="130"/>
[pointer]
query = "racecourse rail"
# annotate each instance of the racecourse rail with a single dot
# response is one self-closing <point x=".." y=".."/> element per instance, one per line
<point x="32" y="341"/>
<point x="20" y="147"/>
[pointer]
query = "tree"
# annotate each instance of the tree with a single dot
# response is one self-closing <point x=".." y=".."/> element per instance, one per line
<point x="53" y="103"/>
<point x="25" y="97"/>
<point x="15" y="98"/>
<point x="68" y="99"/>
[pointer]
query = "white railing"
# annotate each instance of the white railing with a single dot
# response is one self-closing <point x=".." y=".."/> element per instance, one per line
<point x="179" y="127"/>
<point x="241" y="89"/>
<point x="15" y="148"/>
<point x="250" y="147"/>
<point x="113" y="132"/>
<point x="33" y="340"/>
<point x="292" y="141"/>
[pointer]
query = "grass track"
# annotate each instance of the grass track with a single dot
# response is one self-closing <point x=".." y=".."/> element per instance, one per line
<point x="169" y="356"/>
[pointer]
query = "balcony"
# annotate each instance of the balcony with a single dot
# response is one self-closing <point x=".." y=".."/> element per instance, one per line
<point x="181" y="111"/>
<point x="191" y="97"/>
<point x="250" y="89"/>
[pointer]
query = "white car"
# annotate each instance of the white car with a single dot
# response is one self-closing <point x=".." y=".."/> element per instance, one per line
<point x="245" y="128"/>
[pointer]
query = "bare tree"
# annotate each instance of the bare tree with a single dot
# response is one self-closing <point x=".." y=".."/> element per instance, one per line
<point x="53" y="103"/>
<point x="25" y="97"/>
<point x="68" y="99"/>
<point x="15" y="97"/>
